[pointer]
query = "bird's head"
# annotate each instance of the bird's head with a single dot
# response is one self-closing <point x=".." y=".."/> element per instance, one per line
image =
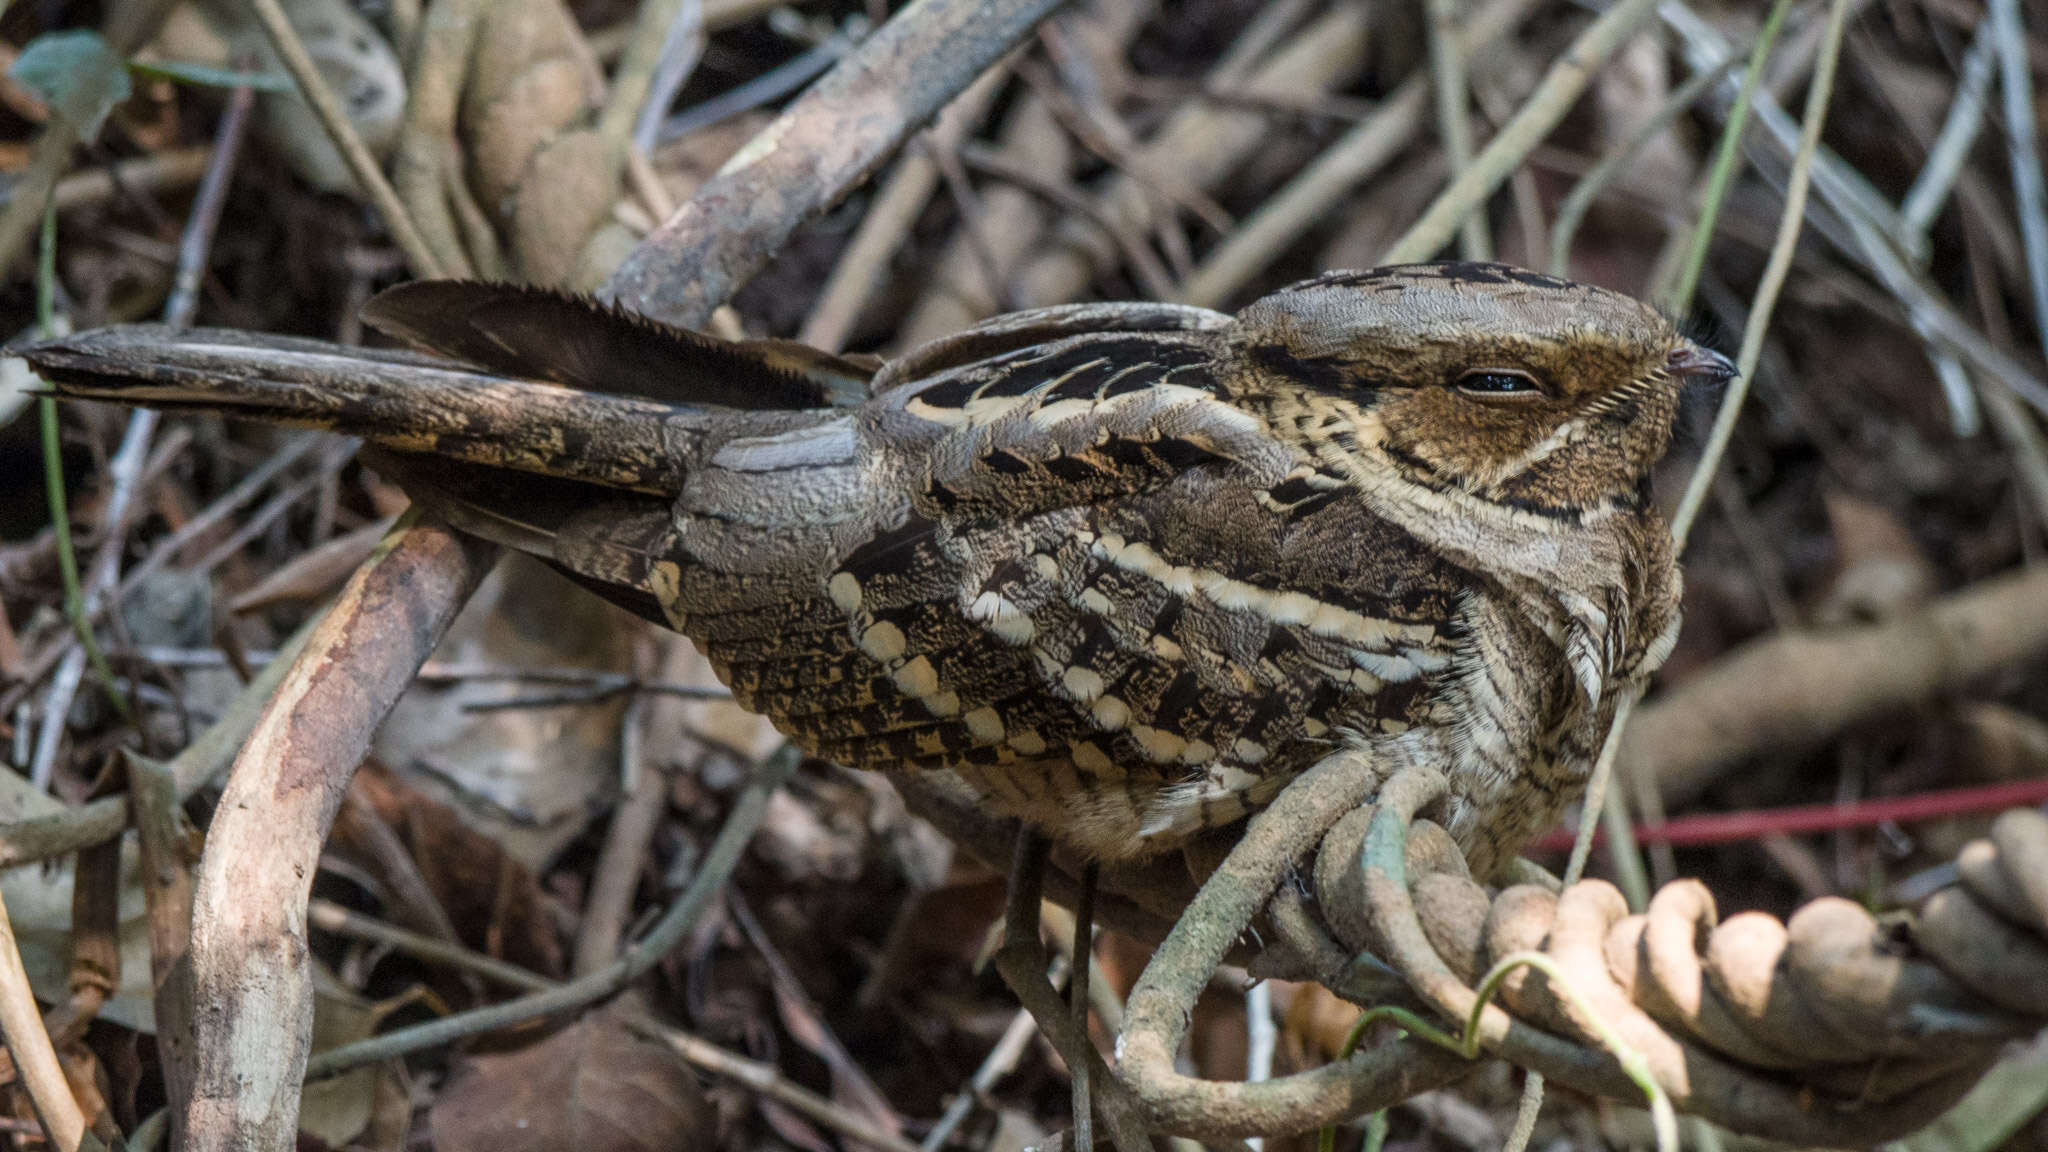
<point x="1510" y="386"/>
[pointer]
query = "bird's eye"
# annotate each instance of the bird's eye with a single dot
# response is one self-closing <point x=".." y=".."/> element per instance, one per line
<point x="1499" y="384"/>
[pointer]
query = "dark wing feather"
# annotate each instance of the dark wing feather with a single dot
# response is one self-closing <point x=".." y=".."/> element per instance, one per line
<point x="1118" y="605"/>
<point x="1017" y="331"/>
<point x="538" y="333"/>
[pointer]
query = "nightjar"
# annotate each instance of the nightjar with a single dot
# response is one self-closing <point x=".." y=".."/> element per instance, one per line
<point x="1124" y="569"/>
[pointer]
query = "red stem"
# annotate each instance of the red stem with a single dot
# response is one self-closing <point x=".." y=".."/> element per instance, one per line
<point x="1724" y="827"/>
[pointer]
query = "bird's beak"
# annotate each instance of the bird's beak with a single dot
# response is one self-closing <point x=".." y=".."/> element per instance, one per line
<point x="1691" y="362"/>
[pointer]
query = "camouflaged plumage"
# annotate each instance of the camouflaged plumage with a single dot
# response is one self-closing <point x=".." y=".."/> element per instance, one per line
<point x="1125" y="569"/>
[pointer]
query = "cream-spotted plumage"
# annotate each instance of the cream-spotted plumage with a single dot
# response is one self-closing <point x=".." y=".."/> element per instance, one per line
<point x="1123" y="569"/>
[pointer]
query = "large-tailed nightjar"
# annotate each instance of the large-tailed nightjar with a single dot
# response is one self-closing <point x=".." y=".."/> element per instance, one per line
<point x="1124" y="569"/>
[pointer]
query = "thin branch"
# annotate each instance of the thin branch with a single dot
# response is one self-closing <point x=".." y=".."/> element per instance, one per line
<point x="645" y="953"/>
<point x="1306" y="199"/>
<point x="35" y="1061"/>
<point x="2018" y="89"/>
<point x="1453" y="115"/>
<point x="1766" y="298"/>
<point x="327" y="106"/>
<point x="896" y="80"/>
<point x="751" y="1074"/>
<point x="1573" y="210"/>
<point x="1554" y="96"/>
<point x="1722" y="174"/>
<point x="1959" y="131"/>
<point x="886" y="225"/>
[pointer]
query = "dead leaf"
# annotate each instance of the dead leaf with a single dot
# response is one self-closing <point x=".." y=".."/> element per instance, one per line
<point x="314" y="574"/>
<point x="337" y="1110"/>
<point x="493" y="901"/>
<point x="594" y="1086"/>
<point x="528" y="777"/>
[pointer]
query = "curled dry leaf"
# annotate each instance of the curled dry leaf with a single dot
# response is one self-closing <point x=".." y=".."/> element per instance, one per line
<point x="594" y="1086"/>
<point x="314" y="574"/>
<point x="528" y="777"/>
<point x="492" y="900"/>
<point x="356" y="61"/>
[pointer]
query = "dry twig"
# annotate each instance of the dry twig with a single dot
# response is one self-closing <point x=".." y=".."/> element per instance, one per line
<point x="248" y="930"/>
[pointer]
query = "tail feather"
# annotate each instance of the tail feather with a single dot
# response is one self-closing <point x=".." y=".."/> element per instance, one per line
<point x="613" y="543"/>
<point x="396" y="399"/>
<point x="560" y="428"/>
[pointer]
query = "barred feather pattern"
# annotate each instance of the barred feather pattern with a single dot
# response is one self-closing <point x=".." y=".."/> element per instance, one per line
<point x="1119" y="591"/>
<point x="1123" y="569"/>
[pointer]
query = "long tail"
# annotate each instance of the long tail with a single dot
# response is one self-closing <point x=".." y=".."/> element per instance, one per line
<point x="394" y="399"/>
<point x="559" y="427"/>
<point x="520" y="378"/>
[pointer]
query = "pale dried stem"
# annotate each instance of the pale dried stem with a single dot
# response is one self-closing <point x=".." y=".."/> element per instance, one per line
<point x="1559" y="89"/>
<point x="1200" y="147"/>
<point x="626" y="842"/>
<point x="248" y="931"/>
<point x="363" y="166"/>
<point x="1875" y="233"/>
<point x="633" y="79"/>
<point x="35" y="1061"/>
<point x="2023" y="149"/>
<point x="1573" y="209"/>
<point x="1001" y="1060"/>
<point x="1952" y="145"/>
<point x="1453" y="115"/>
<point x="423" y="163"/>
<point x="830" y="138"/>
<point x="954" y="296"/>
<point x="1309" y="197"/>
<point x="887" y="223"/>
<point x="166" y="851"/>
<point x="171" y="170"/>
<point x="1775" y="270"/>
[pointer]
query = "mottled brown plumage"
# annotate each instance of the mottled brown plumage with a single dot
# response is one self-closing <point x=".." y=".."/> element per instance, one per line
<point x="1125" y="569"/>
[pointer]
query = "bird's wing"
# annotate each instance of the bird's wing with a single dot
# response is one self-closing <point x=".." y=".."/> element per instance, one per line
<point x="1019" y="331"/>
<point x="540" y="334"/>
<point x="1091" y="585"/>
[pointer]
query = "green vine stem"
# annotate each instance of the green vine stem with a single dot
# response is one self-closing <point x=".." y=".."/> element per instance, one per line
<point x="53" y="472"/>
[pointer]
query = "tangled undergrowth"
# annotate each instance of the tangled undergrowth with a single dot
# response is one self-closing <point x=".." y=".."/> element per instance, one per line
<point x="553" y="812"/>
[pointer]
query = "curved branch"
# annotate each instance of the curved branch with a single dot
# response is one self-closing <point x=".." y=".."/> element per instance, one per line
<point x="252" y="988"/>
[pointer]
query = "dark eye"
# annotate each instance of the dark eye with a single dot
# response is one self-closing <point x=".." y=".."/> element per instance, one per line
<point x="1498" y="382"/>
